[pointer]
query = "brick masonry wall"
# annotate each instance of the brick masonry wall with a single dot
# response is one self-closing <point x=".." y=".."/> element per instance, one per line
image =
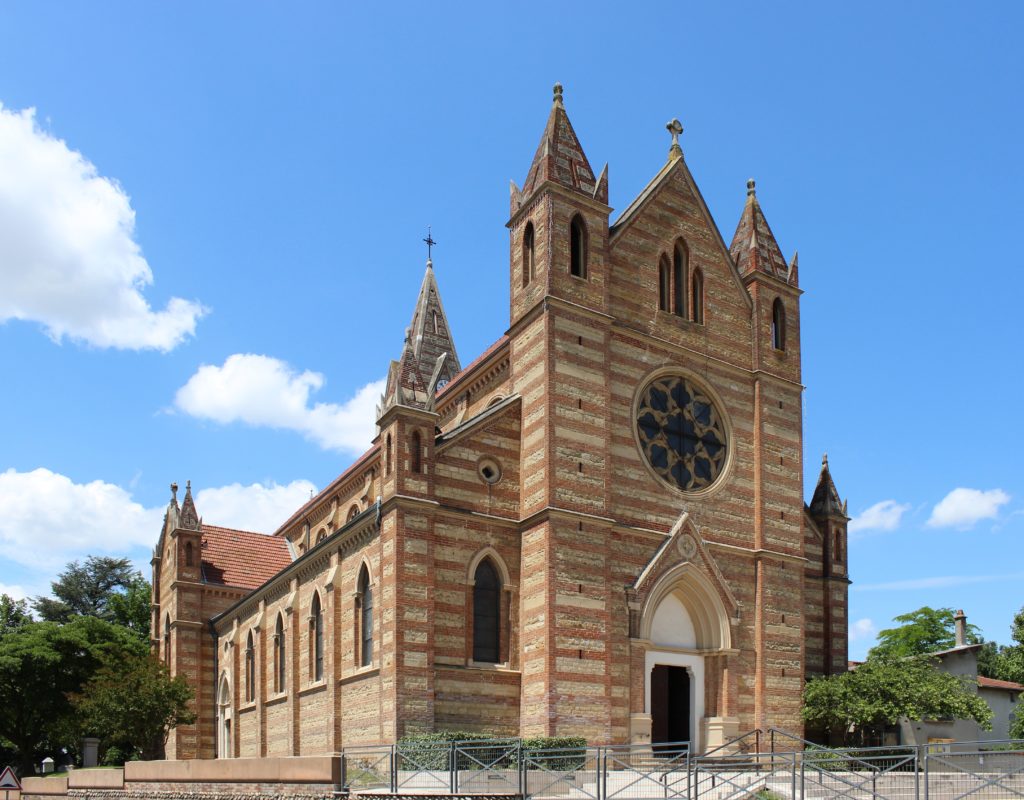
<point x="575" y="519"/>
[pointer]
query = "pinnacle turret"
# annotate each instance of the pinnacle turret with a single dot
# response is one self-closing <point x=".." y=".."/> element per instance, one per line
<point x="189" y="518"/>
<point x="428" y="353"/>
<point x="825" y="502"/>
<point x="753" y="247"/>
<point x="560" y="159"/>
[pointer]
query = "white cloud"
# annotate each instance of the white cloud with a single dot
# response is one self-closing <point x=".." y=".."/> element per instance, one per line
<point x="937" y="582"/>
<point x="862" y="629"/>
<point x="264" y="391"/>
<point x="68" y="257"/>
<point x="49" y="520"/>
<point x="13" y="591"/>
<point x="883" y="516"/>
<point x="962" y="508"/>
<point x="256" y="507"/>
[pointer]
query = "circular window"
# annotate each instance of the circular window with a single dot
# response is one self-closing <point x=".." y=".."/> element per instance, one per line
<point x="489" y="470"/>
<point x="681" y="433"/>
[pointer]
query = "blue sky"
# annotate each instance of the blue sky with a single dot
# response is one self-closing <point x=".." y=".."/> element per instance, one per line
<point x="210" y="244"/>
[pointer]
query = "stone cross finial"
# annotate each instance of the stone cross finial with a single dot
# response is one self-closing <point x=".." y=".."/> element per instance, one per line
<point x="751" y="191"/>
<point x="675" y="127"/>
<point x="558" y="94"/>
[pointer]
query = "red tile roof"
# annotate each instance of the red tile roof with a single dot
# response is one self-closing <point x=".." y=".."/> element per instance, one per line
<point x="468" y="370"/>
<point x="992" y="683"/>
<point x="242" y="558"/>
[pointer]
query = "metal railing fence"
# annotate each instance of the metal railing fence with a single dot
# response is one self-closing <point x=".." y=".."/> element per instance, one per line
<point x="761" y="765"/>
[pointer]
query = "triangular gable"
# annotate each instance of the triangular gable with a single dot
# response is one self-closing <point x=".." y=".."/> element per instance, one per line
<point x="654" y="188"/>
<point x="684" y="544"/>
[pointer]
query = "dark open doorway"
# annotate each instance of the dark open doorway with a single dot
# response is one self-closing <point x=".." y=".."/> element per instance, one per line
<point x="670" y="704"/>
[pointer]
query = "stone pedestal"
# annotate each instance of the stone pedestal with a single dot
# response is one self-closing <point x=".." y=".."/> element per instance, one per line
<point x="718" y="730"/>
<point x="639" y="728"/>
<point x="90" y="751"/>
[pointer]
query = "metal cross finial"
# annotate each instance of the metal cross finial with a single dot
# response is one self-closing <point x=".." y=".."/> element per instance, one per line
<point x="430" y="244"/>
<point x="675" y="127"/>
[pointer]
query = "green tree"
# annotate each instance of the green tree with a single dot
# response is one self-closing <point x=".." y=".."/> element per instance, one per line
<point x="41" y="665"/>
<point x="884" y="689"/>
<point x="133" y="704"/>
<point x="103" y="587"/>
<point x="131" y="608"/>
<point x="13" y="613"/>
<point x="927" y="630"/>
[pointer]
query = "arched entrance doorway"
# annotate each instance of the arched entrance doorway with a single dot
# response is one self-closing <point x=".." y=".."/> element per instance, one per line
<point x="683" y="621"/>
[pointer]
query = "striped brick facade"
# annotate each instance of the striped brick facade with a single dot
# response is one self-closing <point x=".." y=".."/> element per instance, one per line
<point x="529" y="458"/>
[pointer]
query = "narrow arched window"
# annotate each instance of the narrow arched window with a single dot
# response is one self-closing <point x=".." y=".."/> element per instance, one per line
<point x="280" y="658"/>
<point x="167" y="639"/>
<point x="188" y="554"/>
<point x="778" y="325"/>
<point x="387" y="455"/>
<point x="416" y="460"/>
<point x="664" y="284"/>
<point x="250" y="669"/>
<point x="528" y="268"/>
<point x="316" y="624"/>
<point x="365" y="619"/>
<point x="486" y="613"/>
<point x="353" y="512"/>
<point x="680" y="260"/>
<point x="697" y="297"/>
<point x="578" y="247"/>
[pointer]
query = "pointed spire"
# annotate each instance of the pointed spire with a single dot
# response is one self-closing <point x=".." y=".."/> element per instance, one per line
<point x="428" y="353"/>
<point x="753" y="247"/>
<point x="188" y="519"/>
<point x="825" y="502"/>
<point x="560" y="157"/>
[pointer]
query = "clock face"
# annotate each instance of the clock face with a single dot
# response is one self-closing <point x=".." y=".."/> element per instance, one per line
<point x="681" y="433"/>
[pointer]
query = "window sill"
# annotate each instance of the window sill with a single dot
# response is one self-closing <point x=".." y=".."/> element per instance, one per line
<point x="313" y="688"/>
<point x="359" y="674"/>
<point x="274" y="699"/>
<point x="487" y="666"/>
<point x="248" y="705"/>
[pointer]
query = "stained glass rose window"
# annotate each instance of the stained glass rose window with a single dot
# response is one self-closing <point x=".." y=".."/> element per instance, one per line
<point x="681" y="432"/>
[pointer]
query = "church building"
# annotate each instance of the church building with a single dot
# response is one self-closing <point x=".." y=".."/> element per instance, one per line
<point x="596" y="528"/>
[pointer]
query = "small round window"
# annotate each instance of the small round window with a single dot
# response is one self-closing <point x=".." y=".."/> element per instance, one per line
<point x="681" y="433"/>
<point x="489" y="470"/>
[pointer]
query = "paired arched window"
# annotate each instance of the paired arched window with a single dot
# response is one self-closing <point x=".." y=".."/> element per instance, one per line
<point x="778" y="325"/>
<point x="578" y="247"/>
<point x="486" y="613"/>
<point x="697" y="297"/>
<point x="280" y="656"/>
<point x="528" y="252"/>
<point x="416" y="460"/>
<point x="167" y="639"/>
<point x="664" y="284"/>
<point x="188" y="554"/>
<point x="680" y="264"/>
<point x="365" y="618"/>
<point x="353" y="512"/>
<point x="250" y="669"/>
<point x="316" y="625"/>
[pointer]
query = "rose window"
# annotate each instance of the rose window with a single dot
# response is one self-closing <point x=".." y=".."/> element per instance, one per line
<point x="681" y="433"/>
